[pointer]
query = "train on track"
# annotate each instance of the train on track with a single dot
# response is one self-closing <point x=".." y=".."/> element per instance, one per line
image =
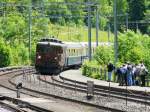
<point x="52" y="55"/>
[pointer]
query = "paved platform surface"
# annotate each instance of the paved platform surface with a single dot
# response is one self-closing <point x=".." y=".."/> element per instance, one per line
<point x="77" y="75"/>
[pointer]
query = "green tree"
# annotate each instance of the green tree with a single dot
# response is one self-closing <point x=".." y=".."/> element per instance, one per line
<point x="136" y="13"/>
<point x="134" y="47"/>
<point x="13" y="27"/>
<point x="147" y="15"/>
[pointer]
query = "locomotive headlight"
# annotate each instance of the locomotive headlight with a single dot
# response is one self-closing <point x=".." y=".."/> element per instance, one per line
<point x="55" y="58"/>
<point x="39" y="57"/>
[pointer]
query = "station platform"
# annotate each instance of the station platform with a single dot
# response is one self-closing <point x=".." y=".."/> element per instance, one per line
<point x="76" y="75"/>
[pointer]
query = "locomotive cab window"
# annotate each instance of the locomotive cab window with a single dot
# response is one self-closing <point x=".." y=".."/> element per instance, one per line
<point x="42" y="48"/>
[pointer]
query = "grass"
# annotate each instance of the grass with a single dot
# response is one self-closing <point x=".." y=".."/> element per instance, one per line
<point x="76" y="33"/>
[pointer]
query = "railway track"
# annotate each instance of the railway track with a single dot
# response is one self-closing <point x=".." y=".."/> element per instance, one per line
<point x="5" y="75"/>
<point x="82" y="87"/>
<point x="6" y="107"/>
<point x="54" y="87"/>
<point x="7" y="78"/>
<point x="100" y="90"/>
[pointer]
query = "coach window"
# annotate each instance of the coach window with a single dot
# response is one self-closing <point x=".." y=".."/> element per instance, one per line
<point x="72" y="52"/>
<point x="81" y="50"/>
<point x="68" y="52"/>
<point x="78" y="53"/>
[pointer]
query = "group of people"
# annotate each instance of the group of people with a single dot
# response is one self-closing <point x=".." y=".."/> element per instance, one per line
<point x="128" y="74"/>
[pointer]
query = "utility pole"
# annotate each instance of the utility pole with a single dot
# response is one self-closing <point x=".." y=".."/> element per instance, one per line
<point x="137" y="26"/>
<point x="30" y="27"/>
<point x="115" y="33"/>
<point x="126" y="21"/>
<point x="4" y="9"/>
<point x="108" y="31"/>
<point x="97" y="25"/>
<point x="89" y="30"/>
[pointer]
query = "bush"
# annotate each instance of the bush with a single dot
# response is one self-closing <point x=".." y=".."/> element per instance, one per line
<point x="4" y="54"/>
<point x="104" y="54"/>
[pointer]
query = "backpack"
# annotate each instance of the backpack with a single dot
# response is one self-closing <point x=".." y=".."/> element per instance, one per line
<point x="123" y="70"/>
<point x="142" y="71"/>
<point x="137" y="72"/>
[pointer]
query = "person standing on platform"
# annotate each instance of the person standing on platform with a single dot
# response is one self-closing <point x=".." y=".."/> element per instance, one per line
<point x="129" y="75"/>
<point x="143" y="73"/>
<point x="110" y="68"/>
<point x="133" y="74"/>
<point x="123" y="72"/>
<point x="125" y="75"/>
<point x="137" y="73"/>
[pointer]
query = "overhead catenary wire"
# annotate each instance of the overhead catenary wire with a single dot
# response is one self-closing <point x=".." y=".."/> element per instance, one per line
<point x="49" y="3"/>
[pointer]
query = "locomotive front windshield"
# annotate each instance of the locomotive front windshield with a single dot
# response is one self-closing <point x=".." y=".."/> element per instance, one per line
<point x="49" y="49"/>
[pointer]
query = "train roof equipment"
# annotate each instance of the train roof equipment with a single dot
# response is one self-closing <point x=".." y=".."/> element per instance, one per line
<point x="50" y="40"/>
